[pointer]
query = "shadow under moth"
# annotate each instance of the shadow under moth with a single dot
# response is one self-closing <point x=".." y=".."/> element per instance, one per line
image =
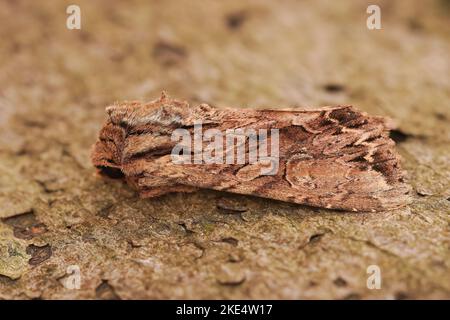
<point x="330" y="157"/>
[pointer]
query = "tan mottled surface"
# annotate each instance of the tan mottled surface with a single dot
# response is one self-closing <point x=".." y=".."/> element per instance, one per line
<point x="55" y="84"/>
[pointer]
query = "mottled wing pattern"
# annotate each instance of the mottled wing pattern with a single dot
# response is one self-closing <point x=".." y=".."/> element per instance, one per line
<point x="331" y="157"/>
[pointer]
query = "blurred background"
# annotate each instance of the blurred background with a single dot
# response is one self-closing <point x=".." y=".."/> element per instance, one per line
<point x="55" y="84"/>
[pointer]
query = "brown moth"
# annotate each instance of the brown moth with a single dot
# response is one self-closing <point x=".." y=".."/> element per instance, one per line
<point x="330" y="157"/>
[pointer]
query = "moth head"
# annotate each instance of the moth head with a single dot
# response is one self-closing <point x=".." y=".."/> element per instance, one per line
<point x="110" y="172"/>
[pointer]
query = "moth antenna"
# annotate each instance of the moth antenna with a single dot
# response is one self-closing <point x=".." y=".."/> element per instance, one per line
<point x="164" y="96"/>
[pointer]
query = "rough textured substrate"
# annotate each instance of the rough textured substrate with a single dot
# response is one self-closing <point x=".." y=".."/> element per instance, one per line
<point x="55" y="84"/>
